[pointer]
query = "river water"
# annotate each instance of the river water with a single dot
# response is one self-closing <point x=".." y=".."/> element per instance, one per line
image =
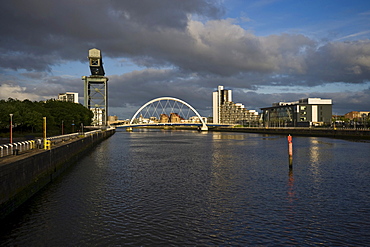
<point x="176" y="188"/>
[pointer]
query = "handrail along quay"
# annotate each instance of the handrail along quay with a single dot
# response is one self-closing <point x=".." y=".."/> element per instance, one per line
<point x="23" y="146"/>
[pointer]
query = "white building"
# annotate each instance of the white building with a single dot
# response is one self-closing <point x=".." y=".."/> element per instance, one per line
<point x="98" y="118"/>
<point x="68" y="97"/>
<point x="302" y="113"/>
<point x="219" y="98"/>
<point x="225" y="111"/>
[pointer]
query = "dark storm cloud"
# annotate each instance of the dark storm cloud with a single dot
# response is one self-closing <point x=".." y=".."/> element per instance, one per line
<point x="185" y="49"/>
<point x="138" y="87"/>
<point x="39" y="34"/>
<point x="341" y="61"/>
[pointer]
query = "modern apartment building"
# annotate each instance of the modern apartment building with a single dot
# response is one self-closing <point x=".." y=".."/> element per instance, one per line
<point x="302" y="113"/>
<point x="225" y="111"/>
<point x="68" y="97"/>
<point x="220" y="97"/>
<point x="236" y="113"/>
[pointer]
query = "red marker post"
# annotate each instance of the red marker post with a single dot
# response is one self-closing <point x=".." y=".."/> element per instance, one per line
<point x="290" y="149"/>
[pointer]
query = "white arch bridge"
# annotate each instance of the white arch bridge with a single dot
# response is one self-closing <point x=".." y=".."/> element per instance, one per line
<point x="151" y="113"/>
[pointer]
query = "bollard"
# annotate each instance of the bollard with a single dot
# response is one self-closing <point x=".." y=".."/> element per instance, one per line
<point x="32" y="144"/>
<point x="47" y="145"/>
<point x="290" y="149"/>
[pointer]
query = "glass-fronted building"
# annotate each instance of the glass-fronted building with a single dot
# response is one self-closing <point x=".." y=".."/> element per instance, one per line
<point x="303" y="113"/>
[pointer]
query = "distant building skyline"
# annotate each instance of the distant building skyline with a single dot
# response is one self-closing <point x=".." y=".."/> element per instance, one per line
<point x="357" y="114"/>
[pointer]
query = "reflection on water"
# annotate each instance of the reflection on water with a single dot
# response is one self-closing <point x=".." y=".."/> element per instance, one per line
<point x="314" y="156"/>
<point x="163" y="188"/>
<point x="291" y="192"/>
<point x="226" y="136"/>
<point x="314" y="150"/>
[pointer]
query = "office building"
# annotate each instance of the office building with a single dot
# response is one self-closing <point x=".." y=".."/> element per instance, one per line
<point x="302" y="113"/>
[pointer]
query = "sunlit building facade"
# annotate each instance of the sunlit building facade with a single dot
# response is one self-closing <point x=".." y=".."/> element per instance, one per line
<point x="225" y="111"/>
<point x="302" y="113"/>
<point x="68" y="97"/>
<point x="220" y="97"/>
<point x="357" y="114"/>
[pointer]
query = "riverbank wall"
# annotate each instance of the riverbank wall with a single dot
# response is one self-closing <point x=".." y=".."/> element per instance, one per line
<point x="23" y="176"/>
<point x="317" y="132"/>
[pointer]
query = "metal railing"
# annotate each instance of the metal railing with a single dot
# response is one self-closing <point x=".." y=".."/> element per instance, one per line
<point x="16" y="148"/>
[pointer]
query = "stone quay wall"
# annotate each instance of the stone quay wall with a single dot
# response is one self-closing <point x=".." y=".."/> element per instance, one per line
<point x="23" y="176"/>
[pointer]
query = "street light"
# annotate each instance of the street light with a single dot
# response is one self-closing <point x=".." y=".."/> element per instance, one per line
<point x="11" y="128"/>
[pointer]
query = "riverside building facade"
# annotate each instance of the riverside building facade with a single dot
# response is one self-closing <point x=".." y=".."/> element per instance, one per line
<point x="302" y="113"/>
<point x="225" y="111"/>
<point x="357" y="115"/>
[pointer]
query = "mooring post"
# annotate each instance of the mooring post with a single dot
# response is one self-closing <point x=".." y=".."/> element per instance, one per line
<point x="290" y="149"/>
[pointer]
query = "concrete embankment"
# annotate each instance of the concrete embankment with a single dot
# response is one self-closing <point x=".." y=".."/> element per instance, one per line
<point x="24" y="175"/>
<point x="318" y="132"/>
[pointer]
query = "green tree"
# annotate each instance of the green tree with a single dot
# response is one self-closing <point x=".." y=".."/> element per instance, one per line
<point x="28" y="115"/>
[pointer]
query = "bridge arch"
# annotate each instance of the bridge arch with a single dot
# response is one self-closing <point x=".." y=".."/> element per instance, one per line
<point x="204" y="125"/>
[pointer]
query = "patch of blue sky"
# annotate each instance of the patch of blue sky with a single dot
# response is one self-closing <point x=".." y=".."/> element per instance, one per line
<point x="112" y="66"/>
<point x="313" y="18"/>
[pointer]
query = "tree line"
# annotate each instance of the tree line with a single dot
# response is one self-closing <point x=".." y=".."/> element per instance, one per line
<point x="28" y="116"/>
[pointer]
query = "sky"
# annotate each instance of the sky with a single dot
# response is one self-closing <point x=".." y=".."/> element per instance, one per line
<point x="265" y="51"/>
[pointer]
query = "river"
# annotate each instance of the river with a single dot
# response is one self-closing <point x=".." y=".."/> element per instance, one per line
<point x="177" y="188"/>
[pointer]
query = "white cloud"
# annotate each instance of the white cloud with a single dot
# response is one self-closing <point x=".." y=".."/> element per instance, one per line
<point x="16" y="92"/>
<point x="183" y="50"/>
<point x="354" y="35"/>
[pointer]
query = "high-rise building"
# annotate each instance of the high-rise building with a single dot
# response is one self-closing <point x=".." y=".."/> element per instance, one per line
<point x="220" y="97"/>
<point x="225" y="111"/>
<point x="69" y="97"/>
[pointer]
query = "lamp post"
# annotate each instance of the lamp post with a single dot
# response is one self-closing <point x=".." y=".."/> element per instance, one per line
<point x="44" y="131"/>
<point x="11" y="128"/>
<point x="62" y="127"/>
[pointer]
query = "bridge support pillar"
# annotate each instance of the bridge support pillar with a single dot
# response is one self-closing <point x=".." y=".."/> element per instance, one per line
<point x="204" y="128"/>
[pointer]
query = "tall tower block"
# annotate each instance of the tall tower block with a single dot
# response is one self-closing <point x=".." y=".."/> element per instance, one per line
<point x="219" y="98"/>
<point x="96" y="89"/>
